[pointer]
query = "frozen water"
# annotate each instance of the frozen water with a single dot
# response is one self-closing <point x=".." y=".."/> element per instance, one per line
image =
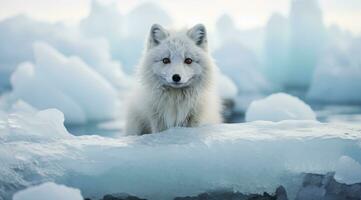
<point x="226" y="87"/>
<point x="276" y="49"/>
<point x="307" y="34"/>
<point x="247" y="157"/>
<point x="22" y="32"/>
<point x="241" y="65"/>
<point x="348" y="170"/>
<point x="278" y="107"/>
<point x="227" y="32"/>
<point x="57" y="81"/>
<point x="338" y="76"/>
<point x="48" y="191"/>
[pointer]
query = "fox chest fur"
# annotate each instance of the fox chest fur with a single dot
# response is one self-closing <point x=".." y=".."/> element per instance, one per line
<point x="174" y="108"/>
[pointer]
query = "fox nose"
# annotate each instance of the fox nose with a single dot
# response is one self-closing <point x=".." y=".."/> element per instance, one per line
<point x="176" y="78"/>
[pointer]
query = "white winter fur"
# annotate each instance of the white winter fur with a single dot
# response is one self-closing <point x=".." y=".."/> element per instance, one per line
<point x="159" y="103"/>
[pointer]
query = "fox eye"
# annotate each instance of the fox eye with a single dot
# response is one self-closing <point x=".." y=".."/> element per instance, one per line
<point x="166" y="60"/>
<point x="188" y="61"/>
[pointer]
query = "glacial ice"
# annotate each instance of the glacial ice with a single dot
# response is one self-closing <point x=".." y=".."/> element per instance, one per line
<point x="306" y="42"/>
<point x="57" y="81"/>
<point x="126" y="34"/>
<point x="276" y="47"/>
<point x="250" y="157"/>
<point x="226" y="87"/>
<point x="48" y="191"/>
<point x="337" y="78"/>
<point x="22" y="32"/>
<point x="241" y="65"/>
<point x="278" y="107"/>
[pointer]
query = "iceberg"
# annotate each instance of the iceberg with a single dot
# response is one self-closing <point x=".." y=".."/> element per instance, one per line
<point x="250" y="157"/>
<point x="47" y="191"/>
<point x="22" y="32"/>
<point x="57" y="81"/>
<point x="278" y="107"/>
<point x="337" y="78"/>
<point x="307" y="38"/>
<point x="241" y="65"/>
<point x="276" y="49"/>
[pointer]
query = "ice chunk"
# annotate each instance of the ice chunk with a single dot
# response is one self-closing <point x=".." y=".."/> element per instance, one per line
<point x="22" y="32"/>
<point x="278" y="107"/>
<point x="45" y="124"/>
<point x="307" y="37"/>
<point x="48" y="191"/>
<point x="248" y="157"/>
<point x="137" y="24"/>
<point x="338" y="76"/>
<point x="276" y="49"/>
<point x="227" y="32"/>
<point x="56" y="81"/>
<point x="226" y="87"/>
<point x="93" y="25"/>
<point x="241" y="65"/>
<point x="348" y="170"/>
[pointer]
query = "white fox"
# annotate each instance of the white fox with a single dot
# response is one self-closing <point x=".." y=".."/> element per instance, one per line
<point x="177" y="85"/>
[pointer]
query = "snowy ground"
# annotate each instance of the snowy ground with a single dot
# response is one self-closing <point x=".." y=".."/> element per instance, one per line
<point x="249" y="157"/>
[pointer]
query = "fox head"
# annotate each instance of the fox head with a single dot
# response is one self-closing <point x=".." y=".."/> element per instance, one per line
<point x="177" y="59"/>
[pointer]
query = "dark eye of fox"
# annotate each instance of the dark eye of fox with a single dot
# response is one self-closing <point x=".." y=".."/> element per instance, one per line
<point x="188" y="61"/>
<point x="166" y="60"/>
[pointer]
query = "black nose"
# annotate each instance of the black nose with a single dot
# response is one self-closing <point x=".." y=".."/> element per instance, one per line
<point x="176" y="78"/>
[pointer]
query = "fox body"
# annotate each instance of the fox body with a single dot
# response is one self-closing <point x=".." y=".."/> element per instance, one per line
<point x="177" y="85"/>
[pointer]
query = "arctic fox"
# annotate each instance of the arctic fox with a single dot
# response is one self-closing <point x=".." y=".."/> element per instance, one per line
<point x="177" y="86"/>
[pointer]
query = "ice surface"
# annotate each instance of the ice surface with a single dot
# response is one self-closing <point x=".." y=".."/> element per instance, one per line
<point x="48" y="191"/>
<point x="278" y="107"/>
<point x="249" y="157"/>
<point x="66" y="83"/>
<point x="338" y="76"/>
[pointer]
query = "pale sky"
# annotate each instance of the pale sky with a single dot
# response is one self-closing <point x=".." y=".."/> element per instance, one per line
<point x="247" y="14"/>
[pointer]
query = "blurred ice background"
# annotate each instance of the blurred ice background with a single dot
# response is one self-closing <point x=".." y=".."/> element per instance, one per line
<point x="79" y="57"/>
<point x="288" y="62"/>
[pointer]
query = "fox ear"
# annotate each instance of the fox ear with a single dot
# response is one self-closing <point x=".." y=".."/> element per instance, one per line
<point x="157" y="34"/>
<point x="199" y="35"/>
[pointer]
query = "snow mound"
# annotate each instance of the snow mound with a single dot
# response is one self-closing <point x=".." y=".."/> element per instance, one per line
<point x="248" y="157"/>
<point x="48" y="191"/>
<point x="65" y="83"/>
<point x="278" y="107"/>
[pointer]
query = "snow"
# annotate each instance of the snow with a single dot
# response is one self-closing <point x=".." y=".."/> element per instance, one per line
<point x="337" y="78"/>
<point x="57" y="81"/>
<point x="250" y="157"/>
<point x="278" y="107"/>
<point x="47" y="191"/>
